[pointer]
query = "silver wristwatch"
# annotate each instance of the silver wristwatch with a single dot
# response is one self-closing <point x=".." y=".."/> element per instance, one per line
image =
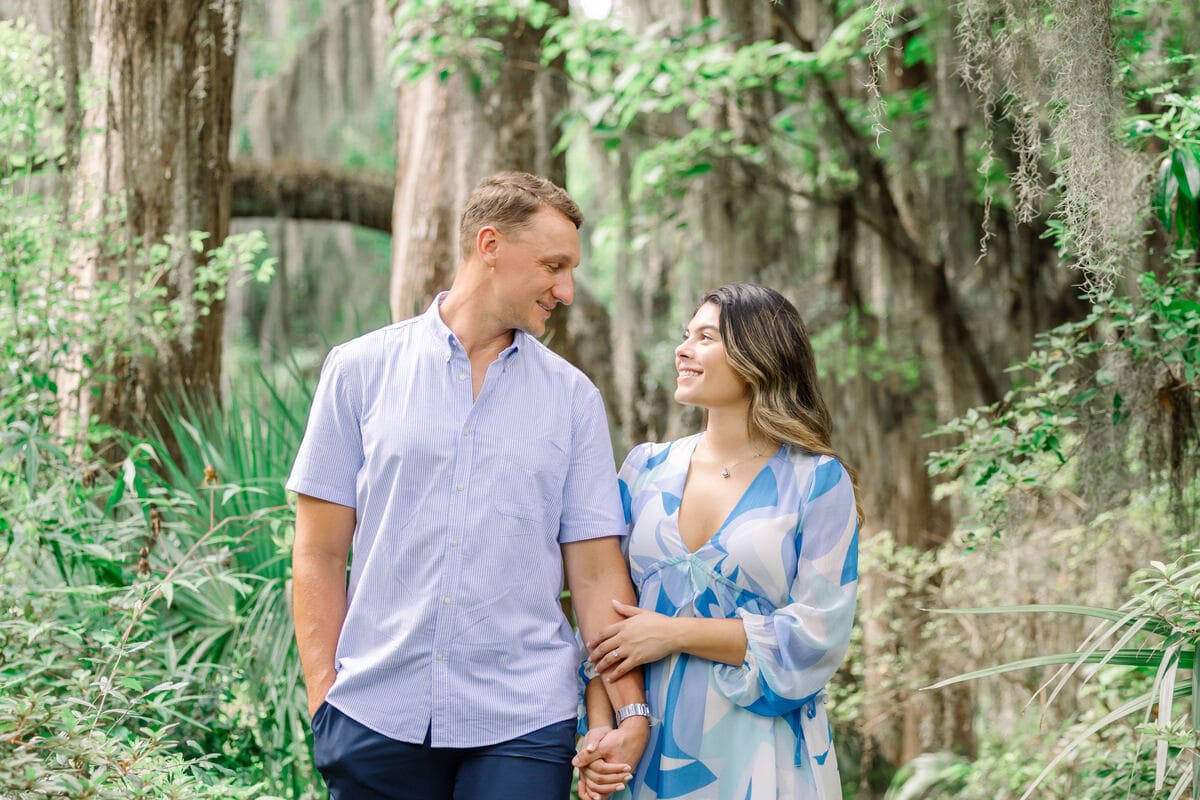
<point x="632" y="710"/>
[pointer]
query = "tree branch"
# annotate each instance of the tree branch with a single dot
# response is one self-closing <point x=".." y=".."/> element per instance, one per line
<point x="306" y="190"/>
<point x="928" y="277"/>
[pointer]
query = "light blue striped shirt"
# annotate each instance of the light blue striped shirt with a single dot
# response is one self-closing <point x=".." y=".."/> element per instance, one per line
<point x="453" y="618"/>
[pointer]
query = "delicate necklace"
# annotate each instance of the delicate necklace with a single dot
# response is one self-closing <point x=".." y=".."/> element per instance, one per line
<point x="725" y="468"/>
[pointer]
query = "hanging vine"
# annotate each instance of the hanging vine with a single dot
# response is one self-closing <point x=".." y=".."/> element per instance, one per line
<point x="1048" y="68"/>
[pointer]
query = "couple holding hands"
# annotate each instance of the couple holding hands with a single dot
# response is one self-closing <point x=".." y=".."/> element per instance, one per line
<point x="470" y="471"/>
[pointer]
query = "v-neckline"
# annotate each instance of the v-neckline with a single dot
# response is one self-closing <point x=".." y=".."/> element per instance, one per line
<point x="687" y="471"/>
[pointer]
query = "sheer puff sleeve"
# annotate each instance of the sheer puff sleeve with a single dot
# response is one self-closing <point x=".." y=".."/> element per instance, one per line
<point x="793" y="652"/>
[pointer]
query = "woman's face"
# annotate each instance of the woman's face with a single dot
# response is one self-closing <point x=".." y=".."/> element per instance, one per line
<point x="703" y="375"/>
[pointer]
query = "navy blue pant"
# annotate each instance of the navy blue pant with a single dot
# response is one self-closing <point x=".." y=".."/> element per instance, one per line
<point x="358" y="763"/>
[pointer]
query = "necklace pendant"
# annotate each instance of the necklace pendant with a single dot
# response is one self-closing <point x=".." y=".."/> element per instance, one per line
<point x="724" y="472"/>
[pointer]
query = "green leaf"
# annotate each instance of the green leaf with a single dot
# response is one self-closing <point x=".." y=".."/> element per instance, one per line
<point x="1166" y="186"/>
<point x="841" y="42"/>
<point x="917" y="50"/>
<point x="1187" y="171"/>
<point x="1128" y="657"/>
<point x="1137" y="704"/>
<point x="1112" y="615"/>
<point x="1085" y="611"/>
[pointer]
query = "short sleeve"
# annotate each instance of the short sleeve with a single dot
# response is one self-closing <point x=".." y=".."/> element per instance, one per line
<point x="591" y="507"/>
<point x="331" y="452"/>
<point x="792" y="653"/>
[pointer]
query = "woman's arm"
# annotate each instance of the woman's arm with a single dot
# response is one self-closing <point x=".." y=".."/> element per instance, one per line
<point x="600" y="769"/>
<point x="772" y="662"/>
<point x="793" y="651"/>
<point x="599" y="709"/>
<point x="643" y="636"/>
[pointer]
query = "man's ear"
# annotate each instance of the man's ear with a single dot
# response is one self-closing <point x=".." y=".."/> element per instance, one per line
<point x="487" y="244"/>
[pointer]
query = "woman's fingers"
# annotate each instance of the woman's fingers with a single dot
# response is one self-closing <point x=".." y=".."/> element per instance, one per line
<point x="603" y="643"/>
<point x="586" y="757"/>
<point x="605" y="654"/>
<point x="626" y="610"/>
<point x="607" y="768"/>
<point x="603" y="785"/>
<point x="619" y="669"/>
<point x="618" y="662"/>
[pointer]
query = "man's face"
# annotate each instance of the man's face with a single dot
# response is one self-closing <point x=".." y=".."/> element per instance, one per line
<point x="533" y="270"/>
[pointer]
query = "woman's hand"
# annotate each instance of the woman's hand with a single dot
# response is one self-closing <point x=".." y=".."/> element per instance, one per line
<point x="641" y="637"/>
<point x="600" y="774"/>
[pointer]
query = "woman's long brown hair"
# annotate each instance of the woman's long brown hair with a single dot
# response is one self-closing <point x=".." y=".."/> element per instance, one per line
<point x="767" y="346"/>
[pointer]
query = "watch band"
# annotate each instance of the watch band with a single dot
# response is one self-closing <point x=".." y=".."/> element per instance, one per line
<point x="632" y="710"/>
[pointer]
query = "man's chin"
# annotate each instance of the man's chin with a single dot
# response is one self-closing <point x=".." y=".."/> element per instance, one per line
<point x="534" y="327"/>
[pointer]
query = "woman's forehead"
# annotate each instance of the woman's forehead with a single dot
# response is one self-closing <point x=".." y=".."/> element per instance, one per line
<point x="707" y="315"/>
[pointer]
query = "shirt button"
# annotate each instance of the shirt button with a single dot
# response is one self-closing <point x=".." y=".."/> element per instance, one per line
<point x="467" y="432"/>
<point x="446" y="600"/>
<point x="462" y="377"/>
<point x="454" y="542"/>
<point x="460" y="488"/>
<point x="438" y="656"/>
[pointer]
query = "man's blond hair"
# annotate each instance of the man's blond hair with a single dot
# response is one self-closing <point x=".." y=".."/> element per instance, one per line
<point x="506" y="201"/>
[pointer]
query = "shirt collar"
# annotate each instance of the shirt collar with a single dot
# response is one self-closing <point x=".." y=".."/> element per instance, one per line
<point x="448" y="342"/>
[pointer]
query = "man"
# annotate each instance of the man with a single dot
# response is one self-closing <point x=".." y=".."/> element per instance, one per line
<point x="469" y="467"/>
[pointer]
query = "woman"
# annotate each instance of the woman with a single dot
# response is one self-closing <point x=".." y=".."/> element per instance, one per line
<point x="743" y="546"/>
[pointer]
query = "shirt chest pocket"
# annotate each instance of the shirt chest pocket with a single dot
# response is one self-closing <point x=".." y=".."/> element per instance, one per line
<point x="529" y="486"/>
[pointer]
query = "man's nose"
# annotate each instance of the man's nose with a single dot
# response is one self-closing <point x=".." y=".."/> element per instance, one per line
<point x="564" y="288"/>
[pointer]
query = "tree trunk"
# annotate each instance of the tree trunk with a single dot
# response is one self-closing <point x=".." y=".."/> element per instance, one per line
<point x="429" y="194"/>
<point x="156" y="141"/>
<point x="448" y="139"/>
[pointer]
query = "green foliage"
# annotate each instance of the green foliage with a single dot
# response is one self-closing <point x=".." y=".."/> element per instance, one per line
<point x="443" y="36"/>
<point x="134" y="645"/>
<point x="148" y="609"/>
<point x="859" y="352"/>
<point x="1158" y="632"/>
<point x="56" y="326"/>
<point x="629" y="78"/>
<point x="625" y="77"/>
<point x="1113" y="767"/>
<point x="1018" y="445"/>
<point x="30" y="94"/>
<point x="1100" y="427"/>
<point x="235" y="635"/>
<point x="930" y="776"/>
<point x="93" y="702"/>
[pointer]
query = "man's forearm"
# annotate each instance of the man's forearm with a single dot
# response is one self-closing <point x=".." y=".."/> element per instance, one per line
<point x="594" y="611"/>
<point x="597" y="575"/>
<point x="324" y="531"/>
<point x="319" y="596"/>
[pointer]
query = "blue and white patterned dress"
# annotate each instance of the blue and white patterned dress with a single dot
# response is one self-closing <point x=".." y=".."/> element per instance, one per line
<point x="786" y="563"/>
